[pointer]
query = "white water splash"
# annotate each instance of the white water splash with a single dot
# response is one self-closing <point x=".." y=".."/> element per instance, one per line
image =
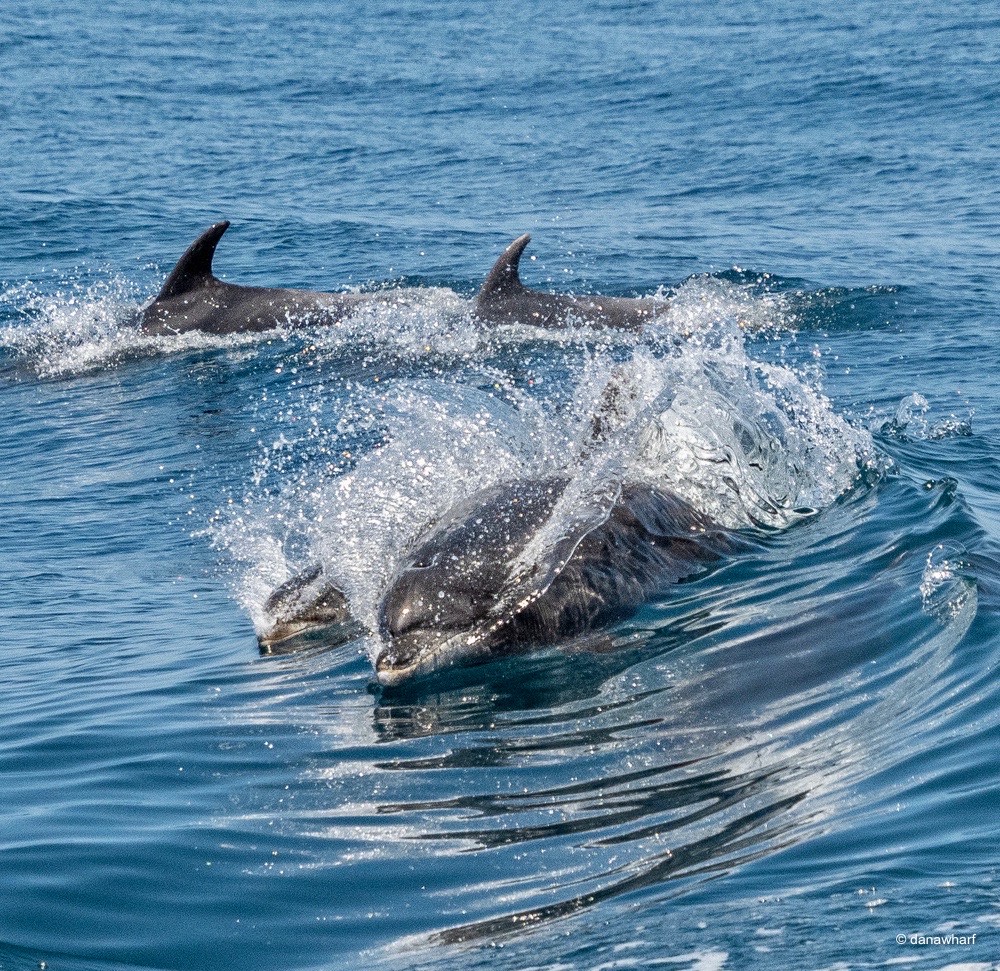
<point x="945" y="584"/>
<point x="79" y="328"/>
<point x="360" y="520"/>
<point x="84" y="327"/>
<point x="705" y="304"/>
<point x="913" y="422"/>
<point x="749" y="443"/>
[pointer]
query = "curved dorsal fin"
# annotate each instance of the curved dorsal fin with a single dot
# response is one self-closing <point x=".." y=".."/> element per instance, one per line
<point x="503" y="278"/>
<point x="194" y="268"/>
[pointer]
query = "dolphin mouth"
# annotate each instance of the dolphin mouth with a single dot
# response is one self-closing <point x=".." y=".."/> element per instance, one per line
<point x="282" y="632"/>
<point x="287" y="637"/>
<point x="420" y="653"/>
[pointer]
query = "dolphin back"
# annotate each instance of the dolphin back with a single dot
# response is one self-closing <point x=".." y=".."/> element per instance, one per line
<point x="503" y="299"/>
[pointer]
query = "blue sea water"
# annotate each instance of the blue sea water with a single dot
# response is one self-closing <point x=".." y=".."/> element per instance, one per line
<point x="789" y="762"/>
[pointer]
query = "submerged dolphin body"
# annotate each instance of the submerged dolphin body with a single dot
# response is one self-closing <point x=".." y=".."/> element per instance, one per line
<point x="192" y="298"/>
<point x="504" y="299"/>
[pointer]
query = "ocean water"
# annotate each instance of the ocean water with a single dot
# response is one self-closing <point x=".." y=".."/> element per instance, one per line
<point x="789" y="761"/>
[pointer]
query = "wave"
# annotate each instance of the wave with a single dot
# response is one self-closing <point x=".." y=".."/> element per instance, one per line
<point x="724" y="721"/>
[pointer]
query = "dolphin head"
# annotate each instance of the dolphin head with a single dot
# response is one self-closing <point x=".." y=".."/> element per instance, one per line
<point x="440" y="608"/>
<point x="437" y="612"/>
<point x="307" y="601"/>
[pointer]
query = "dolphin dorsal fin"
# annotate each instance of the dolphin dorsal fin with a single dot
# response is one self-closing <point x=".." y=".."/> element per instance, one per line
<point x="503" y="279"/>
<point x="194" y="268"/>
<point x="615" y="408"/>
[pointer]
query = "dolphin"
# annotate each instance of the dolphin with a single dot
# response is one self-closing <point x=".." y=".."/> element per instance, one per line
<point x="504" y="299"/>
<point x="477" y="585"/>
<point x="308" y="601"/>
<point x="192" y="298"/>
<point x="460" y="599"/>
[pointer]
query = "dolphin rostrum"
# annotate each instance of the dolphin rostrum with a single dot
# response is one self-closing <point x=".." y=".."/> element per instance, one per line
<point x="192" y="298"/>
<point x="504" y="299"/>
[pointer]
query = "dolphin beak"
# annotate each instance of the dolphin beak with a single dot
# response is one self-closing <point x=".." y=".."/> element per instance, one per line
<point x="419" y="653"/>
<point x="307" y="602"/>
<point x="414" y="654"/>
<point x="271" y="640"/>
<point x="400" y="661"/>
<point x="387" y="674"/>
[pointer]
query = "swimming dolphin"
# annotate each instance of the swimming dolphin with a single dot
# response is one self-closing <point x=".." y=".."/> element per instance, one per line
<point x="457" y="599"/>
<point x="470" y="590"/>
<point x="504" y="299"/>
<point x="192" y="298"/>
<point x="311" y="599"/>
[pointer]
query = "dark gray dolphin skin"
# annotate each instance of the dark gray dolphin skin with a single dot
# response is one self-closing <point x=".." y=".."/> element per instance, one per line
<point x="453" y="601"/>
<point x="192" y="298"/>
<point x="503" y="299"/>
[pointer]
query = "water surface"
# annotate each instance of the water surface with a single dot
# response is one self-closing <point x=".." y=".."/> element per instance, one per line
<point x="786" y="762"/>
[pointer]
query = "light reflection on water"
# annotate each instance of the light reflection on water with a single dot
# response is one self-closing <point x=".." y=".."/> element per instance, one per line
<point x="735" y="717"/>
